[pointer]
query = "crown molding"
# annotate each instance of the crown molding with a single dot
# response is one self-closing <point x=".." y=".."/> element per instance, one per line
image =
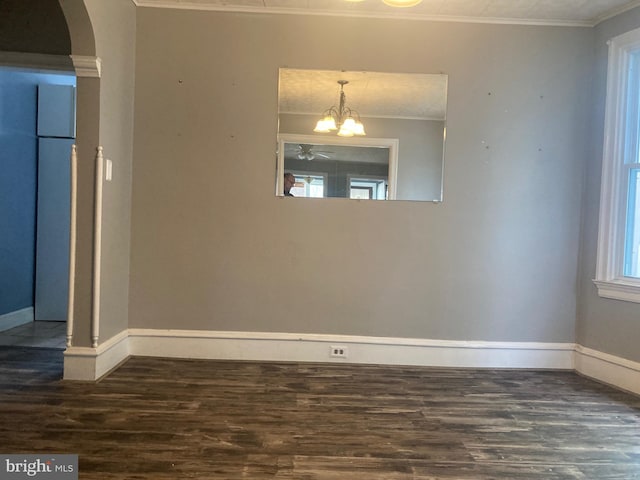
<point x="400" y="15"/>
<point x="616" y="11"/>
<point x="87" y="66"/>
<point x="36" y="61"/>
<point x="84" y="66"/>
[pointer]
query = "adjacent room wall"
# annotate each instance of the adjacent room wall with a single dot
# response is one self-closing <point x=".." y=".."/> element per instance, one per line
<point x="18" y="183"/>
<point x="213" y="248"/>
<point x="33" y="26"/>
<point x="26" y="27"/>
<point x="605" y="325"/>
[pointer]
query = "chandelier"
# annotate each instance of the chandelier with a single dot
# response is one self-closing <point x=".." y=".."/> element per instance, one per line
<point x="402" y="3"/>
<point x="341" y="118"/>
<point x="396" y="3"/>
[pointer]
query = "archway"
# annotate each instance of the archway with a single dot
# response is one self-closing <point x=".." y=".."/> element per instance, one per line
<point x="46" y="36"/>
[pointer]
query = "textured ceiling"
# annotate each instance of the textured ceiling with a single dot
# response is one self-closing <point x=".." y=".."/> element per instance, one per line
<point x="552" y="12"/>
<point x="371" y="94"/>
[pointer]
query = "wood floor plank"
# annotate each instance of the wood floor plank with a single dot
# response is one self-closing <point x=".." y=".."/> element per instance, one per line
<point x="180" y="419"/>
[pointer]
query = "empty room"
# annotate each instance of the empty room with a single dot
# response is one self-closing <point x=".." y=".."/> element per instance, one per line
<point x="332" y="239"/>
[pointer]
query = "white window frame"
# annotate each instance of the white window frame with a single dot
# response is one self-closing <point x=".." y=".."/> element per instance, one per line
<point x="391" y="143"/>
<point x="301" y="174"/>
<point x="373" y="178"/>
<point x="610" y="279"/>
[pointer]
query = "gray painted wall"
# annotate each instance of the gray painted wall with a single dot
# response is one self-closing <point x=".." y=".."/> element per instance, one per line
<point x="610" y="326"/>
<point x="212" y="248"/>
<point x="114" y="26"/>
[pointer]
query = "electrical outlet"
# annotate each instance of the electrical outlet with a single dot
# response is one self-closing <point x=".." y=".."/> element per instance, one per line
<point x="338" y="351"/>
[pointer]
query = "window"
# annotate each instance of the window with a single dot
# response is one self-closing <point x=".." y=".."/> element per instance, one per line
<point x="336" y="159"/>
<point x="308" y="185"/>
<point x="618" y="266"/>
<point x="368" y="188"/>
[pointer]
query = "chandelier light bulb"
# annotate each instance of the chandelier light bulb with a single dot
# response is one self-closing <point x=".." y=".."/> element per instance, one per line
<point x="326" y="125"/>
<point x="349" y="124"/>
<point x="358" y="129"/>
<point x="394" y="3"/>
<point x="320" y="127"/>
<point x="345" y="132"/>
<point x="402" y="3"/>
<point x="330" y="122"/>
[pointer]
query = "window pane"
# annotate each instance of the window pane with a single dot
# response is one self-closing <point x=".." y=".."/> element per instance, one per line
<point x="633" y="110"/>
<point x="632" y="234"/>
<point x="308" y="186"/>
<point x="361" y="192"/>
<point x="369" y="188"/>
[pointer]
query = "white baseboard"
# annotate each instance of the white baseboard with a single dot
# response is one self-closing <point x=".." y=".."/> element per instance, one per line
<point x="616" y="371"/>
<point x="15" y="319"/>
<point x="288" y="347"/>
<point x="85" y="363"/>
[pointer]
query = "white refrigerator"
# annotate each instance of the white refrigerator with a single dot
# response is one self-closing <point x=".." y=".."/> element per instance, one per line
<point x="56" y="132"/>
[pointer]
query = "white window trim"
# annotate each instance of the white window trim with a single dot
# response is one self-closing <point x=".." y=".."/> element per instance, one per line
<point x="391" y="143"/>
<point x="609" y="278"/>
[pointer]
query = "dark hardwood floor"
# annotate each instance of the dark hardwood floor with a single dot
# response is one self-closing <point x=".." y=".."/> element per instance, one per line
<point x="173" y="419"/>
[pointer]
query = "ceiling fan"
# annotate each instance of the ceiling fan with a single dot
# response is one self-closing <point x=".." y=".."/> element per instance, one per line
<point x="306" y="152"/>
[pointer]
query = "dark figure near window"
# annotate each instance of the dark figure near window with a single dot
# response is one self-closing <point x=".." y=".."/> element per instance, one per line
<point x="289" y="181"/>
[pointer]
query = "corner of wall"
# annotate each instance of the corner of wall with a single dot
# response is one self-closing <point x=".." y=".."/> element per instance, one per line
<point x="91" y="364"/>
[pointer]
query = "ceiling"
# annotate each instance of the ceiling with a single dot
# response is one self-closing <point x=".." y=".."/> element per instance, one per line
<point x="347" y="153"/>
<point x="371" y="94"/>
<point x="539" y="12"/>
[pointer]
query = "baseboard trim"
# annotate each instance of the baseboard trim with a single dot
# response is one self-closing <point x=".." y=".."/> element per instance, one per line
<point x="91" y="364"/>
<point x="288" y="347"/>
<point x="615" y="371"/>
<point x="16" y="318"/>
<point x="85" y="363"/>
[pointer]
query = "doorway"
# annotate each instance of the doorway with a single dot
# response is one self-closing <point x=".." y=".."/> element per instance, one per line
<point x="20" y="182"/>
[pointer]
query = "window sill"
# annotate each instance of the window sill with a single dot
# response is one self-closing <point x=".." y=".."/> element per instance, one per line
<point x="619" y="289"/>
